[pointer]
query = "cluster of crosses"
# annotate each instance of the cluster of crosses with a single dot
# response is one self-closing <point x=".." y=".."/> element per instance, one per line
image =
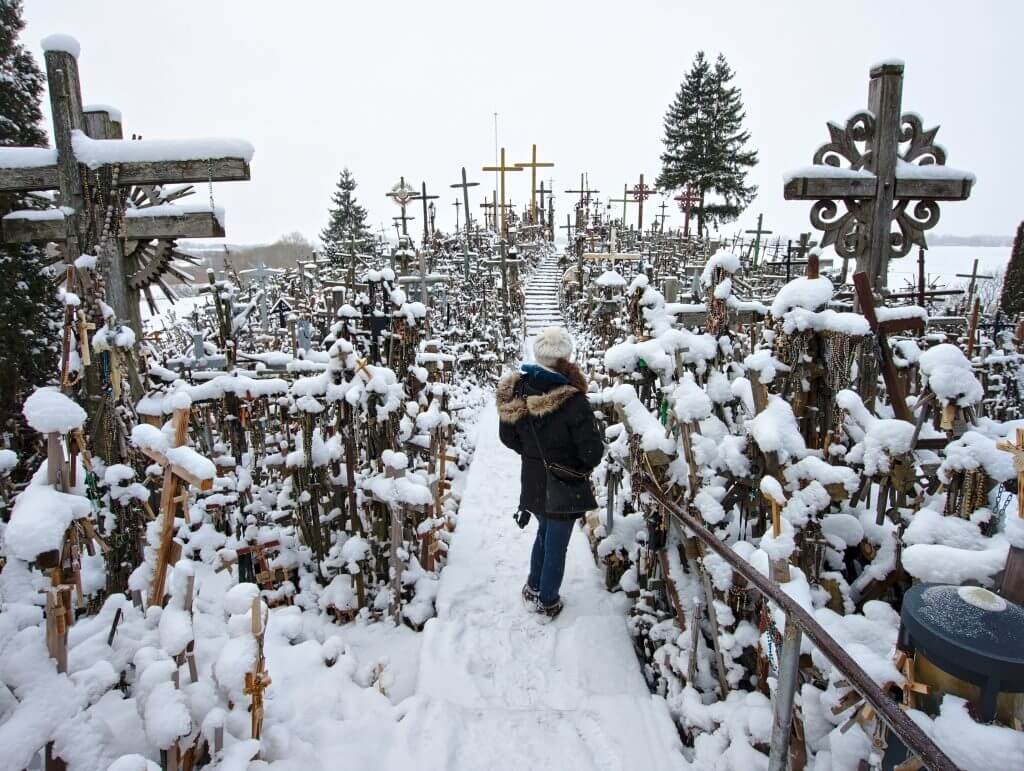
<point x="778" y="399"/>
<point x="296" y="428"/>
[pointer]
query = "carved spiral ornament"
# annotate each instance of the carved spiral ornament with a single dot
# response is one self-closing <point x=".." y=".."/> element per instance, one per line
<point x="846" y="222"/>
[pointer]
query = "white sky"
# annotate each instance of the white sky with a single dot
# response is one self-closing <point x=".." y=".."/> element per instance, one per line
<point x="410" y="88"/>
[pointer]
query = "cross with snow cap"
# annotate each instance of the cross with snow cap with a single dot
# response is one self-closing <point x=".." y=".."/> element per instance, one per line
<point x="883" y="187"/>
<point x="89" y="150"/>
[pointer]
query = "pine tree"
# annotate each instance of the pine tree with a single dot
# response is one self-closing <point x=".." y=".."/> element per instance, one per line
<point x="347" y="219"/>
<point x="705" y="143"/>
<point x="30" y="325"/>
<point x="1012" y="302"/>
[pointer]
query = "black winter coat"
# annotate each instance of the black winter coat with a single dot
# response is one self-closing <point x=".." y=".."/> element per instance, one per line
<point x="564" y="423"/>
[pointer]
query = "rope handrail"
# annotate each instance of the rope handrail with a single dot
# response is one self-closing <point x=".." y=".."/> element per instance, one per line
<point x="909" y="732"/>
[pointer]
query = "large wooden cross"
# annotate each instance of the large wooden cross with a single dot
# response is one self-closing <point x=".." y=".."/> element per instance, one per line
<point x="640" y="193"/>
<point x="533" y="164"/>
<point x="465" y="199"/>
<point x="502" y="168"/>
<point x="98" y="135"/>
<point x="686" y="200"/>
<point x="883" y="187"/>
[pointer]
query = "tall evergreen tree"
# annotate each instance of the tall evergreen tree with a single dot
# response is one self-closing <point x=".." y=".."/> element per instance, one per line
<point x="705" y="143"/>
<point x="1012" y="301"/>
<point x="29" y="320"/>
<point x="347" y="219"/>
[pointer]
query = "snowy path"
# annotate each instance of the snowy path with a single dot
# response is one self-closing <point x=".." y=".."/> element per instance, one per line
<point x="499" y="689"/>
<point x="542" y="296"/>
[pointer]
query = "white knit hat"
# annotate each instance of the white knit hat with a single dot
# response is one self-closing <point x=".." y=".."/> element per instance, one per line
<point x="552" y="344"/>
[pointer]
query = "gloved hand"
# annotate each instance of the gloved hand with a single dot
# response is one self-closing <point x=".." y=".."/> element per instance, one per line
<point x="522" y="518"/>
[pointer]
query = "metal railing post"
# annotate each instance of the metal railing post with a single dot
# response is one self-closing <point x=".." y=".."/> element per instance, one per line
<point x="785" y="692"/>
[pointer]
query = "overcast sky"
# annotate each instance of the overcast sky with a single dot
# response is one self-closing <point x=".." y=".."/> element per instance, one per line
<point x="411" y="88"/>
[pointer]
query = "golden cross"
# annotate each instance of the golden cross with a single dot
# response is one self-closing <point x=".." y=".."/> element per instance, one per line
<point x="1017" y="450"/>
<point x="501" y="169"/>
<point x="533" y="164"/>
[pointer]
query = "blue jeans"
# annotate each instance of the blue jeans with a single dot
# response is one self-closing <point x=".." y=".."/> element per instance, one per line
<point x="547" y="563"/>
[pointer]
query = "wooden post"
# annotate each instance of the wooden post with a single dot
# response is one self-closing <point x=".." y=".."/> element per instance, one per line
<point x="1013" y="575"/>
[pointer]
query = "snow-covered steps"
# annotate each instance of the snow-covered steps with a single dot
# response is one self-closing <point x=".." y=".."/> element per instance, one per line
<point x="499" y="687"/>
<point x="541" y="295"/>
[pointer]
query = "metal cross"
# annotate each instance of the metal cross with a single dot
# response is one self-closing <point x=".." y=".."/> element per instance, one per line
<point x="640" y="193"/>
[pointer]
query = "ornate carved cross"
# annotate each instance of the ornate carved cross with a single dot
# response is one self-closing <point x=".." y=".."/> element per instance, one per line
<point x="640" y="193"/>
<point x="891" y="187"/>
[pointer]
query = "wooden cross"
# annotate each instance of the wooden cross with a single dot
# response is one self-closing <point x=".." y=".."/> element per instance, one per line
<point x="422" y="196"/>
<point x="84" y="346"/>
<point x="258" y="680"/>
<point x="640" y="193"/>
<point x="686" y="200"/>
<point x="882" y="329"/>
<point x="567" y="227"/>
<point x="880" y="184"/>
<point x="502" y="168"/>
<point x="662" y="217"/>
<point x="172" y="495"/>
<point x="973" y="276"/>
<point x="66" y="173"/>
<point x="584" y="191"/>
<point x="488" y="208"/>
<point x="541" y="193"/>
<point x="465" y="199"/>
<point x="624" y="201"/>
<point x="1017" y="450"/>
<point x="533" y="164"/>
<point x="757" y="233"/>
<point x="456" y="203"/>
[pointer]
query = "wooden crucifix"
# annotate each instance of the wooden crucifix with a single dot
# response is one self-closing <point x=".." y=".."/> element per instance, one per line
<point x="640" y="193"/>
<point x="661" y="217"/>
<point x="173" y="494"/>
<point x="880" y="186"/>
<point x="687" y="199"/>
<point x="502" y="168"/>
<point x="422" y="196"/>
<point x="533" y="164"/>
<point x="258" y="679"/>
<point x="94" y="138"/>
<point x="757" y="233"/>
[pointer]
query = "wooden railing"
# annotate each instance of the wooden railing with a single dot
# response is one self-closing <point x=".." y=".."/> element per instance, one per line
<point x="799" y="621"/>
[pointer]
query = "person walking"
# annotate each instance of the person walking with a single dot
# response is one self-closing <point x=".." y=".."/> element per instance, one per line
<point x="546" y="418"/>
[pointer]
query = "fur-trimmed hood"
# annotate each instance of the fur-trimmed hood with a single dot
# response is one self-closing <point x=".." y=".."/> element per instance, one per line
<point x="512" y="409"/>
